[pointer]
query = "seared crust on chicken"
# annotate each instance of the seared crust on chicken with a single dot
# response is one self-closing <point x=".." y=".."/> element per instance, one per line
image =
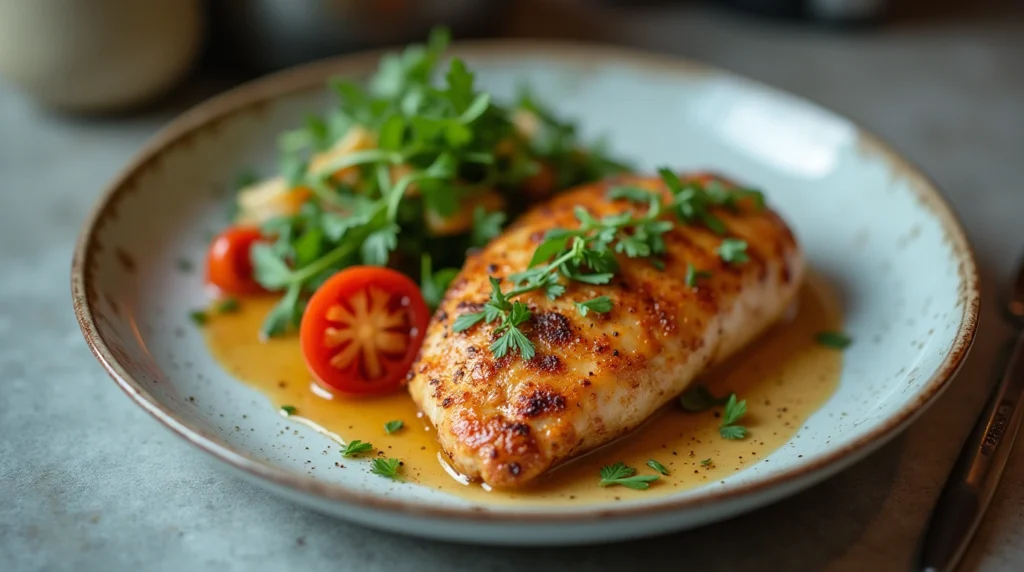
<point x="507" y="421"/>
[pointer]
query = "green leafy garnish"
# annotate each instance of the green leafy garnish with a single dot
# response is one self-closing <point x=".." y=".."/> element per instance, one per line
<point x="198" y="317"/>
<point x="436" y="143"/>
<point x="733" y="251"/>
<point x="734" y="411"/>
<point x="693" y="276"/>
<point x="288" y="409"/>
<point x="601" y="305"/>
<point x="393" y="426"/>
<point x="227" y="306"/>
<point x="629" y="193"/>
<point x="657" y="466"/>
<point x="706" y="463"/>
<point x="697" y="399"/>
<point x="620" y="474"/>
<point x="434" y="284"/>
<point x="837" y="340"/>
<point x="386" y="467"/>
<point x="355" y="447"/>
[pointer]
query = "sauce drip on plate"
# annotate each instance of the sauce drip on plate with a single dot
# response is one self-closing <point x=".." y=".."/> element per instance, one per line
<point x="784" y="376"/>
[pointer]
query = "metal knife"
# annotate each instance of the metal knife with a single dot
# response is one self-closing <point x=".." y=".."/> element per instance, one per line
<point x="977" y="471"/>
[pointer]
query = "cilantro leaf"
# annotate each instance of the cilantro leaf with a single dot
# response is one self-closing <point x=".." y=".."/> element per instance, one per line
<point x="630" y="193"/>
<point x="601" y="305"/>
<point x="693" y="276"/>
<point x="733" y="251"/>
<point x="733" y="432"/>
<point x="467" y="321"/>
<point x="393" y="426"/>
<point x="388" y="468"/>
<point x="621" y="475"/>
<point x="355" y="448"/>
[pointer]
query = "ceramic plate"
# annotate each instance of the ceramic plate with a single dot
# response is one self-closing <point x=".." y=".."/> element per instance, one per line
<point x="870" y="222"/>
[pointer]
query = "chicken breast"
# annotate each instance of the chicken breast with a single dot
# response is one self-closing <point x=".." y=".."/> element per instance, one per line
<point x="507" y="421"/>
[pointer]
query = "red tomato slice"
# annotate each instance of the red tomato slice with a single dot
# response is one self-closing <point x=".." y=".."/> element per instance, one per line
<point x="362" y="329"/>
<point x="228" y="266"/>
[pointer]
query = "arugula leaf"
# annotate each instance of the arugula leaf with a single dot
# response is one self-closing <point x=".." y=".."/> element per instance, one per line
<point x="486" y="226"/>
<point x="377" y="247"/>
<point x="621" y="475"/>
<point x="836" y="340"/>
<point x="433" y="285"/>
<point x="284" y="315"/>
<point x="601" y="305"/>
<point x="388" y="468"/>
<point x="355" y="448"/>
<point x="393" y="426"/>
<point x="268" y="268"/>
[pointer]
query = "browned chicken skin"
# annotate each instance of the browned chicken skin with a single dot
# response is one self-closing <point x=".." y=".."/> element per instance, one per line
<point x="507" y="421"/>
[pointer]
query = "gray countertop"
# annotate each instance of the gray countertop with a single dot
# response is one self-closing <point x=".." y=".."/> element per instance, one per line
<point x="90" y="482"/>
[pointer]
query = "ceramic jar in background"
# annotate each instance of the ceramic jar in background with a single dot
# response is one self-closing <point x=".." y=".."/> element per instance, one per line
<point x="98" y="55"/>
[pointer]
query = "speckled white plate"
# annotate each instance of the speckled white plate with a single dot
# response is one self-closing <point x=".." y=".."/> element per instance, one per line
<point x="871" y="223"/>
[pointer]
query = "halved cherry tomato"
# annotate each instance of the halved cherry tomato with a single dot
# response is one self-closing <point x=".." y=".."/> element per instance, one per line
<point x="362" y="329"/>
<point x="228" y="266"/>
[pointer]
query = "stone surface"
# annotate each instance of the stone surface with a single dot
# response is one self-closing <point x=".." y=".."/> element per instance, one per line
<point x="89" y="482"/>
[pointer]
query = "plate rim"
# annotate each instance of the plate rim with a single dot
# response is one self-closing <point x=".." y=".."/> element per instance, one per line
<point x="255" y="93"/>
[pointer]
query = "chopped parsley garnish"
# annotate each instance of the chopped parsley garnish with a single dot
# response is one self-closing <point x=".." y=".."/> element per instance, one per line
<point x="693" y="276"/>
<point x="288" y="409"/>
<point x="601" y="305"/>
<point x="356" y="447"/>
<point x="227" y="306"/>
<point x="386" y="467"/>
<point x="734" y="411"/>
<point x="198" y="317"/>
<point x="657" y="466"/>
<point x="393" y="426"/>
<point x="589" y="254"/>
<point x="621" y="475"/>
<point x="837" y="340"/>
<point x="697" y="399"/>
<point x="733" y="251"/>
<point x="706" y="463"/>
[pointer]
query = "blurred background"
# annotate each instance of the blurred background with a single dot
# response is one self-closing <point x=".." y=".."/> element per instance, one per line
<point x="85" y="83"/>
<point x="116" y="56"/>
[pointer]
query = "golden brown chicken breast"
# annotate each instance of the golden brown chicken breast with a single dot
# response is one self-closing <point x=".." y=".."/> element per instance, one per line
<point x="593" y="378"/>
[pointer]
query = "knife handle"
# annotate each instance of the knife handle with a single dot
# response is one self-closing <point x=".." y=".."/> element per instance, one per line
<point x="977" y="471"/>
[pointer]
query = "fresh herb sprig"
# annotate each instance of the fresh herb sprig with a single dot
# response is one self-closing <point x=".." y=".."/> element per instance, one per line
<point x="586" y="255"/>
<point x="734" y="411"/>
<point x="355" y="448"/>
<point x="388" y="468"/>
<point x="621" y="475"/>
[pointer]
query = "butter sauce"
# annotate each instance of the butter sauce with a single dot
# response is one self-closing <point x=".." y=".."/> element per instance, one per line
<point x="785" y="376"/>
